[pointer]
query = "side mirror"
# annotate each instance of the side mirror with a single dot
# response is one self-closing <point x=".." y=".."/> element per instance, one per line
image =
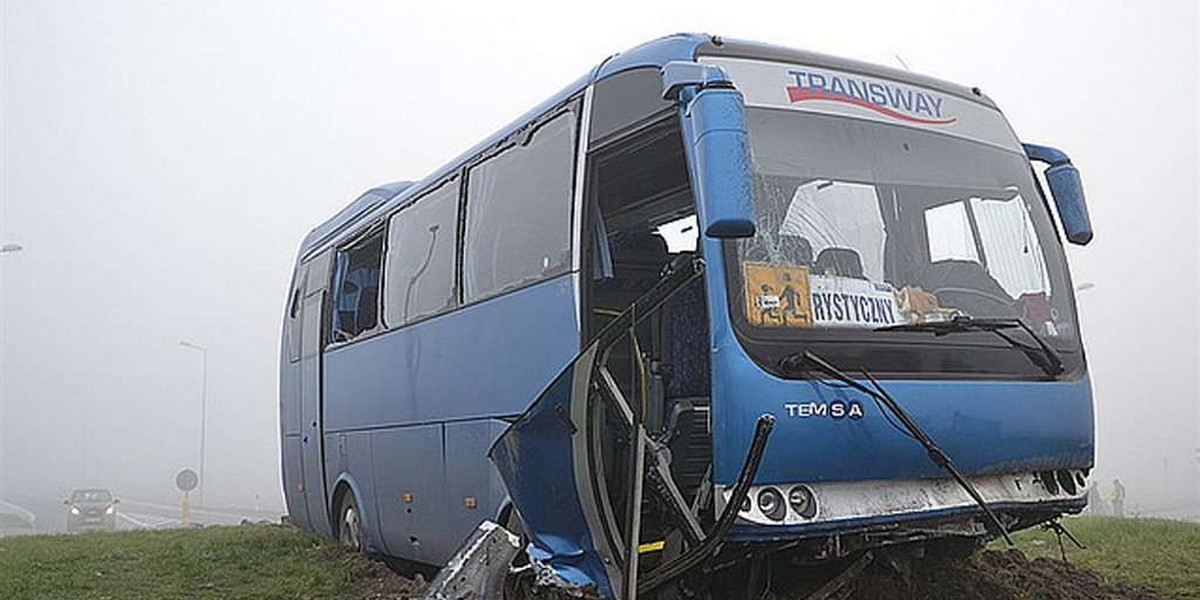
<point x="66" y="502"/>
<point x="116" y="501"/>
<point x="1066" y="187"/>
<point x="714" y="131"/>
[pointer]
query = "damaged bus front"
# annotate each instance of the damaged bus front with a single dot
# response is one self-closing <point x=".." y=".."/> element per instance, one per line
<point x="827" y="309"/>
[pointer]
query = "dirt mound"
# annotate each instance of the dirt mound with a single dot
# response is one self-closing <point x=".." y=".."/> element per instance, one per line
<point x="991" y="575"/>
<point x="382" y="583"/>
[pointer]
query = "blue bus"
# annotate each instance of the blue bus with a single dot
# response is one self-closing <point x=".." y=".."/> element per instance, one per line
<point x="713" y="298"/>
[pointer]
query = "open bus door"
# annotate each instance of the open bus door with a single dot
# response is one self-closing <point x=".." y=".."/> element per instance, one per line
<point x="579" y="467"/>
<point x="577" y="462"/>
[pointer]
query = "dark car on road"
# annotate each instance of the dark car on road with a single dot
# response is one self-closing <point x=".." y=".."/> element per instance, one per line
<point x="92" y="509"/>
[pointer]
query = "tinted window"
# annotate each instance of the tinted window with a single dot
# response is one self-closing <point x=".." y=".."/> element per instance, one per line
<point x="420" y="258"/>
<point x="626" y="99"/>
<point x="518" y="228"/>
<point x="318" y="273"/>
<point x="293" y="314"/>
<point x="356" y="288"/>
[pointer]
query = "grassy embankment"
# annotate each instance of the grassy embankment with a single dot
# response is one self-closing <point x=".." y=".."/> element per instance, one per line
<point x="274" y="563"/>
<point x="248" y="562"/>
<point x="1159" y="554"/>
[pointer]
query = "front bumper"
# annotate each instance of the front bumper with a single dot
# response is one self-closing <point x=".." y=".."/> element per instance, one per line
<point x="854" y="505"/>
<point x="102" y="523"/>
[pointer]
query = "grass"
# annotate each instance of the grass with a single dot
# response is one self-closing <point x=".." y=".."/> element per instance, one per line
<point x="248" y="562"/>
<point x="262" y="562"/>
<point x="1155" y="553"/>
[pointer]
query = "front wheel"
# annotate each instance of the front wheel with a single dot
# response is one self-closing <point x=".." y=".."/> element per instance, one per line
<point x="350" y="523"/>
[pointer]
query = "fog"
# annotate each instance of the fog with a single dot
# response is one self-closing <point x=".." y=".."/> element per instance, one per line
<point x="161" y="162"/>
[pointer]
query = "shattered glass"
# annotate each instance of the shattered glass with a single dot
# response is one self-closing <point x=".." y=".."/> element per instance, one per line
<point x="865" y="225"/>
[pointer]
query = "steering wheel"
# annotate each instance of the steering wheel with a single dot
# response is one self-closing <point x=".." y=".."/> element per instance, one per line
<point x="1006" y="305"/>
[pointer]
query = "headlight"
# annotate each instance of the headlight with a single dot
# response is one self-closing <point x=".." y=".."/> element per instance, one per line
<point x="75" y="510"/>
<point x="770" y="502"/>
<point x="110" y="510"/>
<point x="802" y="501"/>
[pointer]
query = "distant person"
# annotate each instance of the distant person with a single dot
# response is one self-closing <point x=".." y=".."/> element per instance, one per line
<point x="1095" y="500"/>
<point x="1118" y="499"/>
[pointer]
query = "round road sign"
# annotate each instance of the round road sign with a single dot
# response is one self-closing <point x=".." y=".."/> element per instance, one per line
<point x="186" y="480"/>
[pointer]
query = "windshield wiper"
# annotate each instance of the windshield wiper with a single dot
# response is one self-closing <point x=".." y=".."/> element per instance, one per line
<point x="1041" y="355"/>
<point x="881" y="396"/>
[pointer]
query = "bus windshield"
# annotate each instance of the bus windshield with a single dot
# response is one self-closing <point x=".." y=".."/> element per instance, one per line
<point x="864" y="225"/>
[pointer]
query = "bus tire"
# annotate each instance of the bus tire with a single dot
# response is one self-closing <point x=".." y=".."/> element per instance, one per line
<point x="349" y="522"/>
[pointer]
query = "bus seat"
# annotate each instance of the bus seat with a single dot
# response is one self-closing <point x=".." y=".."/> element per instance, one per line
<point x="687" y="386"/>
<point x="690" y="441"/>
<point x="636" y="261"/>
<point x="686" y="356"/>
<point x="640" y="249"/>
<point x="797" y="250"/>
<point x="841" y="262"/>
<point x="366" y="314"/>
<point x="967" y="286"/>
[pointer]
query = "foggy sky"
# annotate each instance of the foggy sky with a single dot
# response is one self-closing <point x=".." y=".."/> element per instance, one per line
<point x="161" y="162"/>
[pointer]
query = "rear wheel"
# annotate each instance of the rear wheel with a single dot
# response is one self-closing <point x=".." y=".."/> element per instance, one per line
<point x="349" y="528"/>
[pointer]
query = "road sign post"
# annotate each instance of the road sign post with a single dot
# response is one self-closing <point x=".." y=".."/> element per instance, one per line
<point x="186" y="480"/>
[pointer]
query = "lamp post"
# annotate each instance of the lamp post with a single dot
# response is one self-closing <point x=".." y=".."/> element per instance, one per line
<point x="203" y="411"/>
<point x="4" y="249"/>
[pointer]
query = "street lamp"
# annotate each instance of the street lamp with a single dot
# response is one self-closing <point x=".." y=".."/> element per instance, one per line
<point x="5" y="249"/>
<point x="203" y="410"/>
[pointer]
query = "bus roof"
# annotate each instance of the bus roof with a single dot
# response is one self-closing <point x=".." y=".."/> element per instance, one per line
<point x="656" y="53"/>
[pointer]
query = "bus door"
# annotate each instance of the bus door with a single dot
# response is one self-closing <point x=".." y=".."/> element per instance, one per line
<point x="311" y="427"/>
<point x="289" y="404"/>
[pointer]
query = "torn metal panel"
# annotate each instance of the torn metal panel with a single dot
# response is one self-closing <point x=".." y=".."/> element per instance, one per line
<point x="543" y="461"/>
<point x="478" y="570"/>
<point x="552" y="464"/>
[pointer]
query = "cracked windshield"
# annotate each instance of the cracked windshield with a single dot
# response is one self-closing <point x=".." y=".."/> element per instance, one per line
<point x="866" y="225"/>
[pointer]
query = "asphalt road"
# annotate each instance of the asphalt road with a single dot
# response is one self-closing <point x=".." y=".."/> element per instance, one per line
<point x="136" y="514"/>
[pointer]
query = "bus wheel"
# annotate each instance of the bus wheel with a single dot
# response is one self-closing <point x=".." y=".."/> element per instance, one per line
<point x="350" y="523"/>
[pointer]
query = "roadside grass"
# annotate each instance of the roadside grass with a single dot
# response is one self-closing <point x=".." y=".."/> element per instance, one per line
<point x="268" y="562"/>
<point x="1156" y="553"/>
<point x="250" y="562"/>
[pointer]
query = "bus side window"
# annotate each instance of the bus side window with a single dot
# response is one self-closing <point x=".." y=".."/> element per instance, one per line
<point x="420" y="258"/>
<point x="356" y="288"/>
<point x="518" y="215"/>
<point x="293" y="313"/>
